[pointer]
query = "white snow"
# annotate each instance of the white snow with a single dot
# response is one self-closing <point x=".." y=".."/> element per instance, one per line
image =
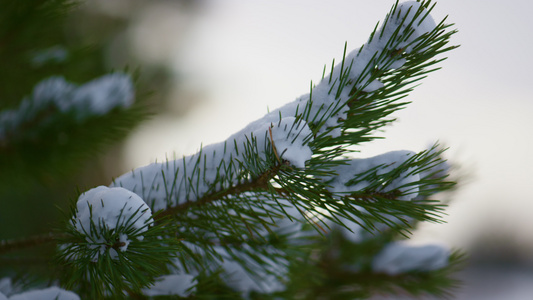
<point x="96" y="97"/>
<point x="399" y="257"/>
<point x="382" y="164"/>
<point x="288" y="138"/>
<point x="2" y="296"/>
<point x="51" y="293"/>
<point x="6" y="286"/>
<point x="324" y="96"/>
<point x="409" y="10"/>
<point x="176" y="284"/>
<point x="175" y="182"/>
<point x="110" y="209"/>
<point x="238" y="278"/>
<point x="103" y="94"/>
<point x="235" y="275"/>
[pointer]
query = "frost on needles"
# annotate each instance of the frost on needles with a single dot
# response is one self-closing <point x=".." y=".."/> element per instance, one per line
<point x="245" y="212"/>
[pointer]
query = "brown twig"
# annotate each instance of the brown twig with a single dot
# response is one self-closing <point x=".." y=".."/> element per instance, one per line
<point x="260" y="182"/>
<point x="274" y="145"/>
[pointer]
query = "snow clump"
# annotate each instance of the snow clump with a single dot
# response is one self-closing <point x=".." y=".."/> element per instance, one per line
<point x="351" y="176"/>
<point x="176" y="284"/>
<point x="104" y="209"/>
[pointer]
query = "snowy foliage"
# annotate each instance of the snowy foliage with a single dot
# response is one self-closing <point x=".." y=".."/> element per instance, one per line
<point x="55" y="96"/>
<point x="266" y="278"/>
<point x="353" y="176"/>
<point x="177" y="284"/>
<point x="327" y="101"/>
<point x="289" y="133"/>
<point x="104" y="209"/>
<point x="234" y="273"/>
<point x="288" y="193"/>
<point x="172" y="183"/>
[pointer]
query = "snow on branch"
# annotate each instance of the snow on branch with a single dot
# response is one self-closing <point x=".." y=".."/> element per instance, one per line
<point x="220" y="165"/>
<point x="247" y="211"/>
<point x="113" y="244"/>
<point x="172" y="285"/>
<point x="289" y="130"/>
<point x="327" y="105"/>
<point x="360" y="174"/>
<point x="55" y="97"/>
<point x="104" y="209"/>
<point x="295" y="155"/>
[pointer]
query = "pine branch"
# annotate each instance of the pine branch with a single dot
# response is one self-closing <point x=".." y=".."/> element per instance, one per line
<point x="282" y="207"/>
<point x="21" y="243"/>
<point x="258" y="184"/>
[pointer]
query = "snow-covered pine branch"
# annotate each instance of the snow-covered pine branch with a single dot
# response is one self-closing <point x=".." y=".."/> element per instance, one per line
<point x="284" y="207"/>
<point x="294" y="158"/>
<point x="221" y="166"/>
<point x="323" y="118"/>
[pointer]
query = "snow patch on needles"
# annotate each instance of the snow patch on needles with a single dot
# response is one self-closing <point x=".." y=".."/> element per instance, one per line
<point x="104" y="209"/>
<point x="351" y="177"/>
<point x="265" y="278"/>
<point x="399" y="257"/>
<point x="328" y="101"/>
<point x="176" y="284"/>
<point x="289" y="140"/>
<point x="172" y="183"/>
<point x="410" y="15"/>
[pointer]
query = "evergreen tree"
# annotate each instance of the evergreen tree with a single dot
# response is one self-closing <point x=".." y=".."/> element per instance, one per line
<point x="286" y="208"/>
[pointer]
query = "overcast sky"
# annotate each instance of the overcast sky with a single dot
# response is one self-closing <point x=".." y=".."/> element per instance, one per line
<point x="250" y="55"/>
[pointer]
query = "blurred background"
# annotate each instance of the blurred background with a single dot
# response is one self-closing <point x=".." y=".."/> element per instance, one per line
<point x="216" y="65"/>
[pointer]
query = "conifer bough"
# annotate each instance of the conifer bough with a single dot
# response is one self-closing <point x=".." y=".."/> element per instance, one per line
<point x="283" y="208"/>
